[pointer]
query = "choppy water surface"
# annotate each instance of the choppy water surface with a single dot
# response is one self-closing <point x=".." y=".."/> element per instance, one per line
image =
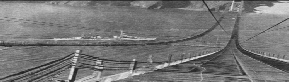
<point x="38" y="20"/>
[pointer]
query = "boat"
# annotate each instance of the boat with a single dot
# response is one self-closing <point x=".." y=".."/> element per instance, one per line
<point x="122" y="36"/>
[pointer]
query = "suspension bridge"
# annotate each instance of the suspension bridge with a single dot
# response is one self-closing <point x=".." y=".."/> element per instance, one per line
<point x="218" y="65"/>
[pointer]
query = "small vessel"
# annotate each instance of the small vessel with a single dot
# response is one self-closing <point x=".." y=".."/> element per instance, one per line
<point x="122" y="36"/>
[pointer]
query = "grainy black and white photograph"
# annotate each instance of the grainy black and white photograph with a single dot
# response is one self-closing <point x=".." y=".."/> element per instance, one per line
<point x="144" y="41"/>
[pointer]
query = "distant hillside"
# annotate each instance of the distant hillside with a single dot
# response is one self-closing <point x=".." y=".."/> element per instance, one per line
<point x="190" y="5"/>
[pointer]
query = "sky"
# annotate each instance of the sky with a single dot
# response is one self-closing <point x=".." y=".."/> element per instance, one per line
<point x="280" y="8"/>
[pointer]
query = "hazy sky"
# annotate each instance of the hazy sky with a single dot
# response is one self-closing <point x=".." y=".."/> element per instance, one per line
<point x="277" y="8"/>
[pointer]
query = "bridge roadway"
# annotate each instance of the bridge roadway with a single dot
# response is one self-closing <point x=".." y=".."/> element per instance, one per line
<point x="231" y="64"/>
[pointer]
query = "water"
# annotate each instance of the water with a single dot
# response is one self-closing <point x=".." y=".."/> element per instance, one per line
<point x="65" y="21"/>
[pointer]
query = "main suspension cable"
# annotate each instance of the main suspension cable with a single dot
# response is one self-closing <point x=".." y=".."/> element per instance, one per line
<point x="266" y="30"/>
<point x="214" y="17"/>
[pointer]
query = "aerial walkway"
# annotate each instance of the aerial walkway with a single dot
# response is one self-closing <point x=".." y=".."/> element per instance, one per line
<point x="233" y="63"/>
